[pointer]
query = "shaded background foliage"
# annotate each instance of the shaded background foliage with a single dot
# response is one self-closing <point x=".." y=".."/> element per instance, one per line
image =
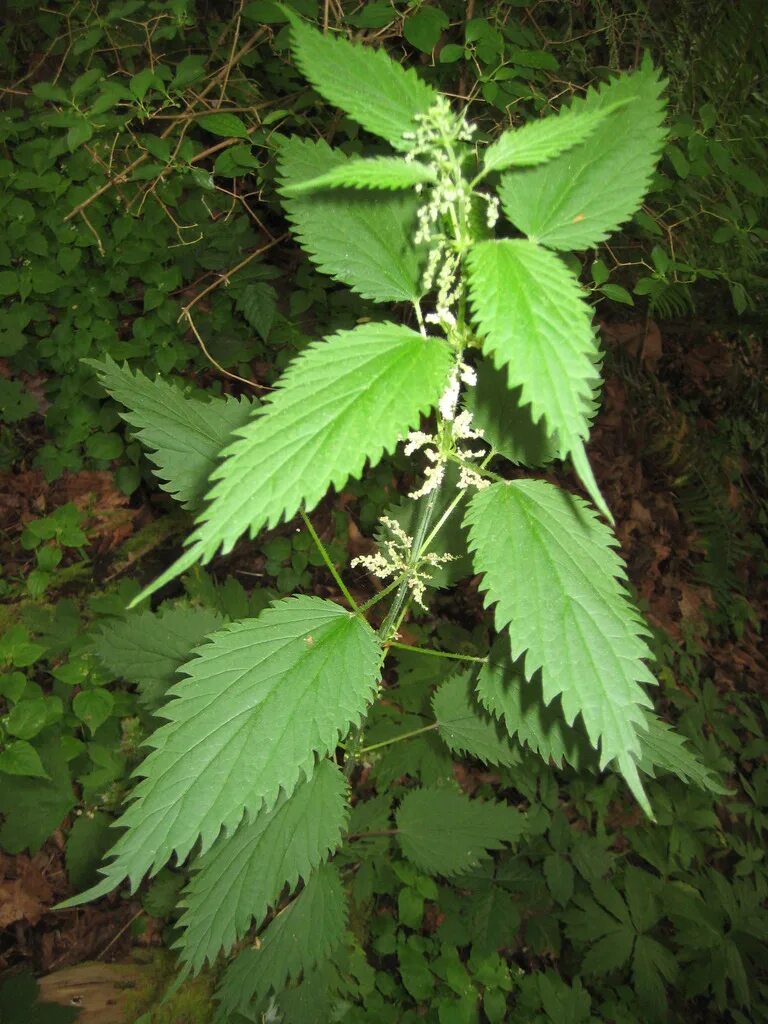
<point x="137" y="146"/>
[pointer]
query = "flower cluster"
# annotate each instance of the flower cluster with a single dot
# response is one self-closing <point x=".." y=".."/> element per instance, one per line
<point x="460" y="428"/>
<point x="394" y="559"/>
<point x="439" y="131"/>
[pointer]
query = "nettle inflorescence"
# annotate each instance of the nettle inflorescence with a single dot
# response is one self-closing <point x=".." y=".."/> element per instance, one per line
<point x="249" y="773"/>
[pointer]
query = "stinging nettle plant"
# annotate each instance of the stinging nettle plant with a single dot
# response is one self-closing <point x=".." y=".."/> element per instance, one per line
<point x="250" y="773"/>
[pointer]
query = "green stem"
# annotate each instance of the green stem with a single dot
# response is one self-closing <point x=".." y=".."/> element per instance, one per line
<point x="479" y="469"/>
<point x="441" y="522"/>
<point x="326" y="558"/>
<point x="425" y="514"/>
<point x="438" y="654"/>
<point x="383" y="593"/>
<point x="398" y="739"/>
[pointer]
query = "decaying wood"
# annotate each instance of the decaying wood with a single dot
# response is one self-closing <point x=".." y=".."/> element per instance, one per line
<point x="100" y="991"/>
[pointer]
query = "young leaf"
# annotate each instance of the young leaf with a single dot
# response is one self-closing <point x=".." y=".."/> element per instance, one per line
<point x="529" y="309"/>
<point x="363" y="240"/>
<point x="503" y="689"/>
<point x="385" y="172"/>
<point x="302" y="935"/>
<point x="148" y="648"/>
<point x="263" y="697"/>
<point x="539" y="141"/>
<point x="580" y="198"/>
<point x="444" y="832"/>
<point x="467" y="728"/>
<point x="535" y="323"/>
<point x="568" y="611"/>
<point x="367" y="84"/>
<point x="242" y="875"/>
<point x="342" y="401"/>
<point x="184" y="434"/>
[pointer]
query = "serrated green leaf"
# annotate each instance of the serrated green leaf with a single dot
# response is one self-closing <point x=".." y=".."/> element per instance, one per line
<point x="367" y="84"/>
<point x="506" y="422"/>
<point x="302" y="935"/>
<point x="538" y="141"/>
<point x="534" y="321"/>
<point x="382" y="172"/>
<point x="148" y="648"/>
<point x="342" y="401"/>
<point x="365" y="241"/>
<point x="443" y="832"/>
<point x="184" y="435"/>
<point x="666" y="750"/>
<point x="228" y="126"/>
<point x="652" y="963"/>
<point x="568" y="611"/>
<point x="258" y="303"/>
<point x="242" y="875"/>
<point x="263" y="697"/>
<point x="580" y="198"/>
<point x="467" y="728"/>
<point x="503" y="689"/>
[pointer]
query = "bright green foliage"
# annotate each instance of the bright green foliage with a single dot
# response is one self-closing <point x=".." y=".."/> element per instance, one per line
<point x="443" y="832"/>
<point x="381" y="172"/>
<point x="388" y="109"/>
<point x="263" y="697"/>
<point x="242" y="875"/>
<point x="344" y="400"/>
<point x="467" y="728"/>
<point x="534" y="322"/>
<point x="184" y="434"/>
<point x="579" y="198"/>
<point x="571" y="599"/>
<point x="148" y="648"/>
<point x="302" y="935"/>
<point x="539" y="141"/>
<point x="360" y="239"/>
<point x="519" y="702"/>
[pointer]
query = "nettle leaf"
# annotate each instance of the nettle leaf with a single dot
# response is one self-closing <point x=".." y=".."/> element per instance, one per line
<point x="580" y="198"/>
<point x="365" y="241"/>
<point x="569" y="611"/>
<point x="385" y="172"/>
<point x="529" y="308"/>
<point x="184" y="434"/>
<point x="302" y="935"/>
<point x="467" y="728"/>
<point x="242" y="875"/>
<point x="538" y="141"/>
<point x="342" y="401"/>
<point x="443" y="832"/>
<point x="263" y="697"/>
<point x="666" y="750"/>
<point x="506" y="421"/>
<point x="148" y="648"/>
<point x="367" y="84"/>
<point x="503" y="689"/>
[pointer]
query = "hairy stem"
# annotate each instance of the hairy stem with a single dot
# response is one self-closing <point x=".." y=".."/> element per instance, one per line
<point x="422" y="525"/>
<point x="438" y="654"/>
<point x="327" y="559"/>
<point x="397" y="739"/>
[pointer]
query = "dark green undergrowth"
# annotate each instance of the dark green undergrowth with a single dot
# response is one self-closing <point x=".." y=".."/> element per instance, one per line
<point x="142" y="226"/>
